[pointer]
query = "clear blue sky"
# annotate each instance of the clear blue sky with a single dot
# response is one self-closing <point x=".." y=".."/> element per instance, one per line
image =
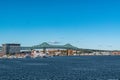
<point x="91" y="24"/>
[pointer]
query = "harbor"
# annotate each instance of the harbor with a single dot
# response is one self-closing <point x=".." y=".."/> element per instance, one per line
<point x="45" y="50"/>
<point x="59" y="40"/>
<point x="61" y="68"/>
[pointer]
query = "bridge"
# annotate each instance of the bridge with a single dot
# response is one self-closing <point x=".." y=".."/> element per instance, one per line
<point x="45" y="46"/>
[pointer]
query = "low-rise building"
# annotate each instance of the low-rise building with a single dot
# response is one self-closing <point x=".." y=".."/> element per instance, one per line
<point x="116" y="53"/>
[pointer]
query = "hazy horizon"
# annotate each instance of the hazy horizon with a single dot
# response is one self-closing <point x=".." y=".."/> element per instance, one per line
<point x="92" y="24"/>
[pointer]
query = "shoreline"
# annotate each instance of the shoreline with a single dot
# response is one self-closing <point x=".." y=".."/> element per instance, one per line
<point x="30" y="57"/>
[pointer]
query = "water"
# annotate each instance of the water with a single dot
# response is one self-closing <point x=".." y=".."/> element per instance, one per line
<point x="61" y="68"/>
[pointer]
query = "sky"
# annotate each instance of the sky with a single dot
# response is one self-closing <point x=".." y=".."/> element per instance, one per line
<point x="91" y="24"/>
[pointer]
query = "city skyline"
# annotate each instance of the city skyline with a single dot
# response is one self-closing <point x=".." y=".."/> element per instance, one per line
<point x="83" y="23"/>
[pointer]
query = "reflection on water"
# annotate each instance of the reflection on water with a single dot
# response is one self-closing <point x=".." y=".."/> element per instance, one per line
<point x="61" y="68"/>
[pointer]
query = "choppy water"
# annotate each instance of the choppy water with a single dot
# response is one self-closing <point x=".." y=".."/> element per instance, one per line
<point x="61" y="68"/>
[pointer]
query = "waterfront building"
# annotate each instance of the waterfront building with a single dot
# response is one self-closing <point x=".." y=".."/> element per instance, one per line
<point x="11" y="48"/>
<point x="116" y="53"/>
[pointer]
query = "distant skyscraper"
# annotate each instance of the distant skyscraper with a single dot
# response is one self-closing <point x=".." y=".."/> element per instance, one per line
<point x="11" y="48"/>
